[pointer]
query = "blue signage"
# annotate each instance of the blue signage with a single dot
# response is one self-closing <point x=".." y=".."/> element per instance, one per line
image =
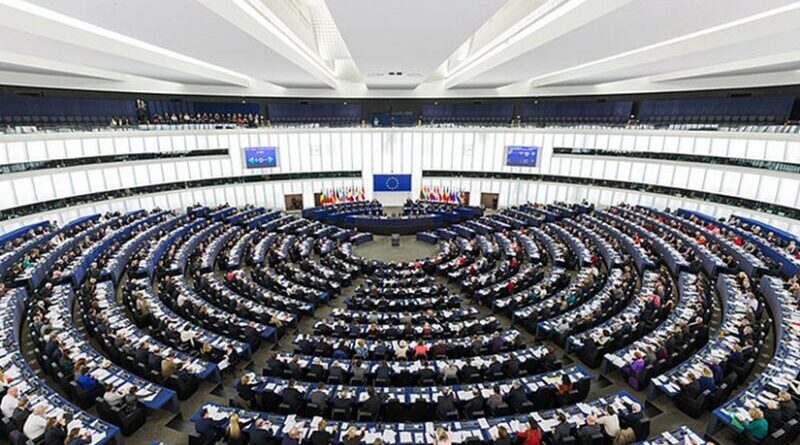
<point x="522" y="156"/>
<point x="260" y="157"/>
<point x="391" y="183"/>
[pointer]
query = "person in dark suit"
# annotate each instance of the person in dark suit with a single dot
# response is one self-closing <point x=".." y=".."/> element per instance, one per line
<point x="245" y="388"/>
<point x="511" y="367"/>
<point x="343" y="401"/>
<point x="292" y="437"/>
<point x="426" y="373"/>
<point x="318" y="396"/>
<point x="183" y="374"/>
<point x="154" y="361"/>
<point x="380" y="350"/>
<point x="772" y="414"/>
<point x="496" y="343"/>
<point x="206" y="427"/>
<point x="260" y="431"/>
<point x="21" y="413"/>
<point x="549" y="359"/>
<point x="319" y="437"/>
<point x="383" y="372"/>
<point x="78" y="437"/>
<point x="588" y="430"/>
<point x="292" y="397"/>
<point x="295" y="368"/>
<point x="565" y="386"/>
<point x="317" y="369"/>
<point x="691" y="389"/>
<point x="562" y="430"/>
<point x="495" y="368"/>
<point x="250" y="331"/>
<point x="632" y="417"/>
<point x="231" y="355"/>
<point x="55" y="432"/>
<point x="503" y="438"/>
<point x="517" y="397"/>
<point x="275" y="366"/>
<point x="476" y="403"/>
<point x="51" y="347"/>
<point x="788" y="406"/>
<point x="373" y="403"/>
<point x="445" y="405"/>
<point x="469" y="372"/>
<point x="337" y="372"/>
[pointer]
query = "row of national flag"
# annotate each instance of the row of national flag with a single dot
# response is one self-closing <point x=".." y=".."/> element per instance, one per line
<point x="341" y="194"/>
<point x="442" y="194"/>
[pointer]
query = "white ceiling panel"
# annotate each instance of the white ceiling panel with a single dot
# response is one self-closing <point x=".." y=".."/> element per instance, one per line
<point x="778" y="43"/>
<point x="413" y="36"/>
<point x="187" y="27"/>
<point x="34" y="45"/>
<point x="17" y="68"/>
<point x="639" y="24"/>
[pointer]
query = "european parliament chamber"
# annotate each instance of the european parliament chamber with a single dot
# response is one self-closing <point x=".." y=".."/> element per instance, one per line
<point x="349" y="222"/>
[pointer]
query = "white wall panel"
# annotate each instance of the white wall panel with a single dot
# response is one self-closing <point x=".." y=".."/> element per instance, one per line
<point x="90" y="147"/>
<point x="44" y="188"/>
<point x="749" y="186"/>
<point x="788" y="192"/>
<point x="37" y="151"/>
<point x="17" y="152"/>
<point x="106" y="146"/>
<point x="80" y="182"/>
<point x="730" y="183"/>
<point x="737" y="148"/>
<point x="713" y="181"/>
<point x="767" y="188"/>
<point x="111" y="179"/>
<point x="97" y="183"/>
<point x="25" y="191"/>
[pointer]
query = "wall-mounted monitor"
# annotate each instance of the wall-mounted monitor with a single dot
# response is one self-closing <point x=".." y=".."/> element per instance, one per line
<point x="260" y="157"/>
<point x="522" y="156"/>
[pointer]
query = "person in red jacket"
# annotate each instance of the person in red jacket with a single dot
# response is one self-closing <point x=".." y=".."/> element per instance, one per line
<point x="510" y="286"/>
<point x="531" y="436"/>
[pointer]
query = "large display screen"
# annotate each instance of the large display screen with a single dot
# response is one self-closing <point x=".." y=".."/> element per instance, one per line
<point x="260" y="157"/>
<point x="391" y="183"/>
<point x="522" y="156"/>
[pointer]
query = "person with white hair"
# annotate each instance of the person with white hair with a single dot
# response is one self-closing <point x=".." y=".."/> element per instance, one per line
<point x="35" y="425"/>
<point x="10" y="401"/>
<point x="632" y="417"/>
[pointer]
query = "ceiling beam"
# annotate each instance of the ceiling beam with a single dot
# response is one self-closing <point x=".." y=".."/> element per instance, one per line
<point x="548" y="21"/>
<point x="255" y="19"/>
<point x="730" y="67"/>
<point x="30" y="18"/>
<point x="69" y="69"/>
<point x="771" y="22"/>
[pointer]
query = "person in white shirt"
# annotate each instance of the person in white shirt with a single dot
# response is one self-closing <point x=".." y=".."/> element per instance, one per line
<point x="35" y="425"/>
<point x="9" y="402"/>
<point x="610" y="422"/>
<point x="186" y="334"/>
<point x="112" y="397"/>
